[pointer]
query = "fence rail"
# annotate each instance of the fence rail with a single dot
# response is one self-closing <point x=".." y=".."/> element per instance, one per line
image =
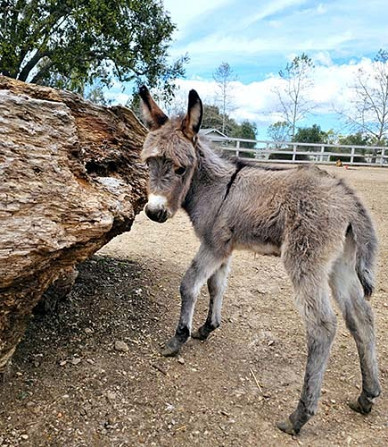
<point x="293" y="152"/>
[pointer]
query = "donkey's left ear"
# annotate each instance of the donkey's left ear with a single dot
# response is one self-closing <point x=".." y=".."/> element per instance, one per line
<point x="192" y="121"/>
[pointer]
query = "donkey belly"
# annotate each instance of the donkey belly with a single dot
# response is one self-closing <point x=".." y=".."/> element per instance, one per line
<point x="260" y="248"/>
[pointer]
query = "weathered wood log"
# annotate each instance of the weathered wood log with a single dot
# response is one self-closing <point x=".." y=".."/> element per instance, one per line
<point x="70" y="180"/>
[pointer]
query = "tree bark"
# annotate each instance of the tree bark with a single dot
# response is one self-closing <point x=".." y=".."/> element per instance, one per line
<point x="70" y="180"/>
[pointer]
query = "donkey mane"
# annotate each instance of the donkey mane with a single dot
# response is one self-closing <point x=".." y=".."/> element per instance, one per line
<point x="214" y="164"/>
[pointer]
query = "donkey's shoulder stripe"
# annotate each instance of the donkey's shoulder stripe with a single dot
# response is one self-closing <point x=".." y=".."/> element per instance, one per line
<point x="239" y="167"/>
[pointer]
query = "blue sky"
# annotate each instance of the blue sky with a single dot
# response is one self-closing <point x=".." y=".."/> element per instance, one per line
<point x="257" y="38"/>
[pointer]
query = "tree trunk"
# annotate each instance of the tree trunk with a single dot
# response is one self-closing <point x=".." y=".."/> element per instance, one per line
<point x="70" y="180"/>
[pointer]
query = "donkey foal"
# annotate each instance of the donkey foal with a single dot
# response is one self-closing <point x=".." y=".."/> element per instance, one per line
<point x="314" y="221"/>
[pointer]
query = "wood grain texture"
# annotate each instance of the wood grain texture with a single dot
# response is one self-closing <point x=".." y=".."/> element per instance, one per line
<point x="70" y="180"/>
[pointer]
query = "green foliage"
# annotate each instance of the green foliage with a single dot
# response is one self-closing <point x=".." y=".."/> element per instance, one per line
<point x="297" y="67"/>
<point x="279" y="156"/>
<point x="312" y="134"/>
<point x="246" y="130"/>
<point x="357" y="139"/>
<point x="279" y="131"/>
<point x="213" y="119"/>
<point x="71" y="43"/>
<point x="96" y="95"/>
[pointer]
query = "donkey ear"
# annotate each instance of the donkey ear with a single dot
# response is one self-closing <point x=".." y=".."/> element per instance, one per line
<point x="192" y="121"/>
<point x="152" y="114"/>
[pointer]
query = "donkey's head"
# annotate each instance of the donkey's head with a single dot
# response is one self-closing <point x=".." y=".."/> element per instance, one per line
<point x="170" y="152"/>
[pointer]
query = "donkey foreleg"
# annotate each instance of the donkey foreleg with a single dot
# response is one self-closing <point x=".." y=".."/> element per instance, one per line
<point x="320" y="323"/>
<point x="202" y="267"/>
<point x="216" y="286"/>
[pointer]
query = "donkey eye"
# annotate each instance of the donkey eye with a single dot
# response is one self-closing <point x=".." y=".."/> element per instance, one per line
<point x="180" y="171"/>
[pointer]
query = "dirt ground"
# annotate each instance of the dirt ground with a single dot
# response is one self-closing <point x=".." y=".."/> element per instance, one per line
<point x="91" y="375"/>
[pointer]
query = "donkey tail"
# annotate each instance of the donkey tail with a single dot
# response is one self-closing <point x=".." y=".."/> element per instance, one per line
<point x="365" y="239"/>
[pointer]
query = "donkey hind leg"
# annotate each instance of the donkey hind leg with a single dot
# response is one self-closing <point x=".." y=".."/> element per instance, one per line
<point x="314" y="303"/>
<point x="358" y="315"/>
<point x="216" y="286"/>
<point x="202" y="267"/>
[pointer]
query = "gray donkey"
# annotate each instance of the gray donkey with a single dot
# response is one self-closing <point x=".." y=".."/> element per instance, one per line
<point x="313" y="221"/>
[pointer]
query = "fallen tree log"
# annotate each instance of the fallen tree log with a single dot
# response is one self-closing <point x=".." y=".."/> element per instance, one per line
<point x="70" y="180"/>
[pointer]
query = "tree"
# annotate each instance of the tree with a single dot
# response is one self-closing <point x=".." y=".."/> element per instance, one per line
<point x="370" y="107"/>
<point x="247" y="131"/>
<point x="96" y="95"/>
<point x="294" y="90"/>
<point x="357" y="139"/>
<point x="279" y="132"/>
<point x="223" y="77"/>
<point x="312" y="134"/>
<point x="71" y="43"/>
<point x="214" y="119"/>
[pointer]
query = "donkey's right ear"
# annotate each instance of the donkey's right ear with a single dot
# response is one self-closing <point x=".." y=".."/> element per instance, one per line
<point x="193" y="119"/>
<point x="152" y="114"/>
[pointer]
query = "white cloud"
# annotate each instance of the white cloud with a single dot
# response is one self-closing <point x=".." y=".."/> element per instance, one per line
<point x="234" y="30"/>
<point x="257" y="101"/>
<point x="257" y="38"/>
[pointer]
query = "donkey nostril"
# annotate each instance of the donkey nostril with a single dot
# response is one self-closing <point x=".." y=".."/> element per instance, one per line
<point x="162" y="215"/>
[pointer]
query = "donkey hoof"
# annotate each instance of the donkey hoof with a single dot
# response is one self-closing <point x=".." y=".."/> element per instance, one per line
<point x="172" y="348"/>
<point x="200" y="334"/>
<point x="287" y="427"/>
<point x="361" y="406"/>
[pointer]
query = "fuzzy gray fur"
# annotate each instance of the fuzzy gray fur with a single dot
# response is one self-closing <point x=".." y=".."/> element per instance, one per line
<point x="313" y="221"/>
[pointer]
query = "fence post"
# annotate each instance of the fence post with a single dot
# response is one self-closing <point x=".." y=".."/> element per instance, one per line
<point x="237" y="148"/>
<point x="322" y="152"/>
<point x="267" y="150"/>
<point x="382" y="156"/>
<point x="352" y="155"/>
<point x="293" y="152"/>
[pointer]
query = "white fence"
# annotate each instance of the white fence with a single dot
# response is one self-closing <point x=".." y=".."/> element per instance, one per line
<point x="286" y="152"/>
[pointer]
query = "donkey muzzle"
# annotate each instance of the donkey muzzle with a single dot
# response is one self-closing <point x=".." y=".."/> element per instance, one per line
<point x="156" y="208"/>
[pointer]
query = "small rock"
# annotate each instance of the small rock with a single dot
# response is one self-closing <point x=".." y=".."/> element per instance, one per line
<point x="121" y="346"/>
<point x="62" y="362"/>
<point x="181" y="360"/>
<point x="24" y="437"/>
<point x="111" y="395"/>
<point x="75" y="361"/>
<point x="88" y="330"/>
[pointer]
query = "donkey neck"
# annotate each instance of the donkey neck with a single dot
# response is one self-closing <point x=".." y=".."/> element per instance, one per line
<point x="209" y="184"/>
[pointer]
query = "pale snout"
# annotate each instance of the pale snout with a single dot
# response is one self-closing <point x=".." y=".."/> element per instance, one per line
<point x="156" y="208"/>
